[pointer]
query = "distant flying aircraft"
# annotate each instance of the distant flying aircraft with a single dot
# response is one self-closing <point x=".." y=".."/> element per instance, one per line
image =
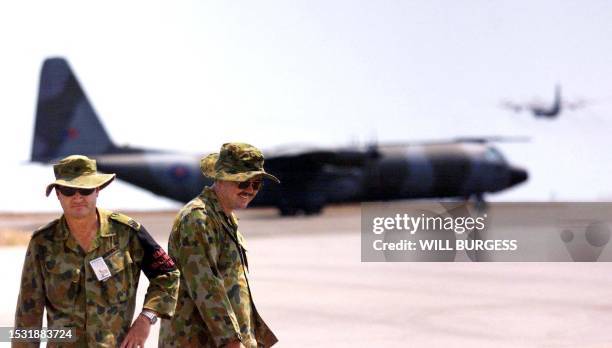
<point x="545" y="111"/>
<point x="66" y="123"/>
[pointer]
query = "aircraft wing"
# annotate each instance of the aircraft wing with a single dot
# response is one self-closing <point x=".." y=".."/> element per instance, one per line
<point x="315" y="159"/>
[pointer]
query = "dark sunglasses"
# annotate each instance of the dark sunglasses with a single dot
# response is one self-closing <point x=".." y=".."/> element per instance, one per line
<point x="70" y="191"/>
<point x="256" y="184"/>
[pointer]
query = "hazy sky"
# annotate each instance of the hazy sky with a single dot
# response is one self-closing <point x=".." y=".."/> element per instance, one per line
<point x="189" y="76"/>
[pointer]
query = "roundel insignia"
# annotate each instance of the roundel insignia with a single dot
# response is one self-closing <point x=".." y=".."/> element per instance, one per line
<point x="179" y="172"/>
<point x="72" y="133"/>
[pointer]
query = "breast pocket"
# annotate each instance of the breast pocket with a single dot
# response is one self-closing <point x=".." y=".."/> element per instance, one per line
<point x="118" y="288"/>
<point x="62" y="281"/>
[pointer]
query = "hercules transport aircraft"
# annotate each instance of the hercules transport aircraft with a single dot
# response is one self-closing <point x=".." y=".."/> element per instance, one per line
<point x="66" y="124"/>
<point x="540" y="110"/>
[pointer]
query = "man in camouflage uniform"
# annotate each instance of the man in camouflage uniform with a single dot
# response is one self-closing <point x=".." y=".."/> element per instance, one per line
<point x="215" y="307"/>
<point x="84" y="268"/>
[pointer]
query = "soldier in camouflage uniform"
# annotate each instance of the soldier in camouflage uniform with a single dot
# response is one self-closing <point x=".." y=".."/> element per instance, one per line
<point x="215" y="307"/>
<point x="84" y="268"/>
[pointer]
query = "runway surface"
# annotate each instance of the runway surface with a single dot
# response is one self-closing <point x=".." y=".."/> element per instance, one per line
<point x="311" y="287"/>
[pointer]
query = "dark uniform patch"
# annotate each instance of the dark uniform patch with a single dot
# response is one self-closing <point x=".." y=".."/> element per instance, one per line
<point x="133" y="224"/>
<point x="126" y="220"/>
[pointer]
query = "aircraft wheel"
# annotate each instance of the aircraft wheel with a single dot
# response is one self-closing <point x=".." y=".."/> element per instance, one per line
<point x="288" y="211"/>
<point x="315" y="210"/>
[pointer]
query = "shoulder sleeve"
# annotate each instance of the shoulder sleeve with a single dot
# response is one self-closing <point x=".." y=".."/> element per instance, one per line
<point x="155" y="260"/>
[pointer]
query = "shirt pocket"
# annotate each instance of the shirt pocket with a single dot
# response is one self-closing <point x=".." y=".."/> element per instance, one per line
<point x="62" y="283"/>
<point x="118" y="288"/>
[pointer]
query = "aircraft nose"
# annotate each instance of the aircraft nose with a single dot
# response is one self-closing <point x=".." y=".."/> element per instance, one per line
<point x="517" y="175"/>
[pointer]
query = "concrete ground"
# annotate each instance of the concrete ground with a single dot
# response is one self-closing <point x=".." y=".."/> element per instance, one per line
<point x="311" y="287"/>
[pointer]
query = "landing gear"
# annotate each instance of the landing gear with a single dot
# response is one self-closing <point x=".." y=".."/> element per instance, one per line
<point x="480" y="204"/>
<point x="313" y="210"/>
<point x="288" y="211"/>
<point x="293" y="211"/>
<point x="306" y="206"/>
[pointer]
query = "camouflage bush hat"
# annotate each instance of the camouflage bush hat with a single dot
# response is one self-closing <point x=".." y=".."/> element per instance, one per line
<point x="79" y="172"/>
<point x="235" y="162"/>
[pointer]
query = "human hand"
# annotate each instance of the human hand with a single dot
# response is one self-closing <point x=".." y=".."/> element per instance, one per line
<point x="138" y="333"/>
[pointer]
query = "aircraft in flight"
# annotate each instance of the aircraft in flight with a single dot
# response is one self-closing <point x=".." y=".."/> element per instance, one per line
<point x="540" y="110"/>
<point x="66" y="124"/>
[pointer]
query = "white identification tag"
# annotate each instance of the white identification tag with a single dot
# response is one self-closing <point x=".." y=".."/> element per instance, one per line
<point x="100" y="269"/>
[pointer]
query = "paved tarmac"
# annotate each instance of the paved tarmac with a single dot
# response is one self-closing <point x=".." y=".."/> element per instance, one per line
<point x="313" y="290"/>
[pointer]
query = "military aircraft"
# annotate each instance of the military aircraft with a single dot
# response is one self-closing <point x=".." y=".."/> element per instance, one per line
<point x="540" y="110"/>
<point x="66" y="123"/>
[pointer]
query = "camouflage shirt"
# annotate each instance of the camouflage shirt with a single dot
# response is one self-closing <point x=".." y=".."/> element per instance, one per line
<point x="215" y="306"/>
<point x="57" y="275"/>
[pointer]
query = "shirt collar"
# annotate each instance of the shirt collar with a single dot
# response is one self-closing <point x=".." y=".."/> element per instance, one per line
<point x="211" y="198"/>
<point x="104" y="230"/>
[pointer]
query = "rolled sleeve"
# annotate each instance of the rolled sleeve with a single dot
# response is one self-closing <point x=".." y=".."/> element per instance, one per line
<point x="162" y="273"/>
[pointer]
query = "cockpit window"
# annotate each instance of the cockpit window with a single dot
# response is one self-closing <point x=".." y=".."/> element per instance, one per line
<point x="493" y="155"/>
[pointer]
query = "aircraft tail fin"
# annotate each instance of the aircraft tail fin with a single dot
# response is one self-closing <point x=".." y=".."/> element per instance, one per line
<point x="557" y="95"/>
<point x="66" y="122"/>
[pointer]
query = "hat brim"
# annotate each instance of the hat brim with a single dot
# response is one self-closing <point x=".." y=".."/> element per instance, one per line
<point x="207" y="165"/>
<point x="84" y="181"/>
<point x="245" y="176"/>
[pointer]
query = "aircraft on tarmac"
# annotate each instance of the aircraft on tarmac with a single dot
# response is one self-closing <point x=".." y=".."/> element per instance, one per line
<point x="66" y="124"/>
<point x="540" y="110"/>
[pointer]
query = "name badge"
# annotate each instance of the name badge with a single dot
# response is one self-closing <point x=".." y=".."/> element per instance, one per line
<point x="100" y="269"/>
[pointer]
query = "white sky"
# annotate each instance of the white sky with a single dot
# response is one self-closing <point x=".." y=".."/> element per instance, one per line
<point x="189" y="76"/>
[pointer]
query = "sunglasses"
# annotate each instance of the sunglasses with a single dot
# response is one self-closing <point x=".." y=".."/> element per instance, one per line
<point x="255" y="184"/>
<point x="71" y="191"/>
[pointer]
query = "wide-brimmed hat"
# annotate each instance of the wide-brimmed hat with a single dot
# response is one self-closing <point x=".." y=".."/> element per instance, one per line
<point x="235" y="162"/>
<point x="79" y="172"/>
